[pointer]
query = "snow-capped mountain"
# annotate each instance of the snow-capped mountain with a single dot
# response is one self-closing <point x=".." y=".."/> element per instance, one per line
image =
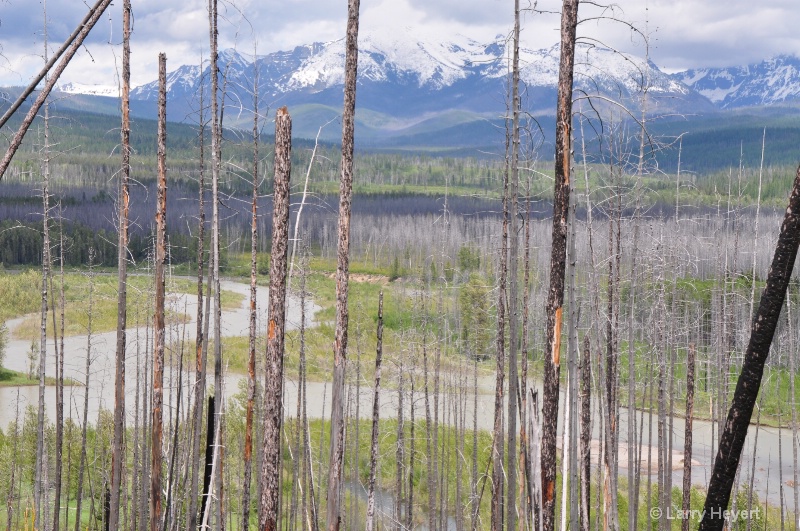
<point x="409" y="75"/>
<point x="770" y="82"/>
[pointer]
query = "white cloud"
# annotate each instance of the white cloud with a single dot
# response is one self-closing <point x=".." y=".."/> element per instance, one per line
<point x="683" y="33"/>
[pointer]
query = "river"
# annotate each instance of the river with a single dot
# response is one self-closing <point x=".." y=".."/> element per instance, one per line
<point x="236" y="323"/>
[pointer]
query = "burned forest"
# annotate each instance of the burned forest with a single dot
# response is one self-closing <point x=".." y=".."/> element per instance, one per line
<point x="223" y="306"/>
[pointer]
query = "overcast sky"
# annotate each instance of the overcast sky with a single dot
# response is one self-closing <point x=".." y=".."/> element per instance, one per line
<point x="683" y="33"/>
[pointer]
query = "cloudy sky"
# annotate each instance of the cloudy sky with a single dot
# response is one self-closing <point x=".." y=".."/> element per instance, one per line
<point x="683" y="33"/>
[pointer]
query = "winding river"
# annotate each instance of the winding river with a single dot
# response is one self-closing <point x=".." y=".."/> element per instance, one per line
<point x="236" y="323"/>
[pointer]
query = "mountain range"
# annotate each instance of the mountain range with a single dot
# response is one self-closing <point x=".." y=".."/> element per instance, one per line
<point x="425" y="91"/>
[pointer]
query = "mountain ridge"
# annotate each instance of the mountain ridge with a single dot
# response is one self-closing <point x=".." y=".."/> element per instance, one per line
<point x="412" y="84"/>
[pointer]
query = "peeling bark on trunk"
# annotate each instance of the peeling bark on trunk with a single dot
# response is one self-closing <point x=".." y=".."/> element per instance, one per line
<point x="747" y="387"/>
<point x="158" y="321"/>
<point x="273" y="395"/>
<point x="342" y="269"/>
<point x="558" y="257"/>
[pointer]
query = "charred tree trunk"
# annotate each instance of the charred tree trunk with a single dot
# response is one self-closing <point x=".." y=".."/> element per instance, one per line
<point x="342" y="269"/>
<point x="251" y="365"/>
<point x="201" y="339"/>
<point x="687" y="444"/>
<point x="216" y="141"/>
<point x="498" y="443"/>
<point x="208" y="463"/>
<point x="586" y="435"/>
<point x="558" y="258"/>
<point x="524" y="445"/>
<point x="747" y="387"/>
<point x="158" y="320"/>
<point x="117" y="449"/>
<point x="273" y="389"/>
<point x="373" y="459"/>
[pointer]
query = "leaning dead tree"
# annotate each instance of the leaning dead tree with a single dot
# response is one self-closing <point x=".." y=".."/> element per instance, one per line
<point x="269" y="514"/>
<point x="744" y="398"/>
<point x="70" y="47"/>
<point x="158" y="320"/>
<point x="558" y="260"/>
<point x="342" y="268"/>
<point x="122" y="279"/>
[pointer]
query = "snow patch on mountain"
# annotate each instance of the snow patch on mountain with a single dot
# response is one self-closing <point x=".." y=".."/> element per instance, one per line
<point x="770" y="82"/>
<point x="384" y="55"/>
<point x="92" y="90"/>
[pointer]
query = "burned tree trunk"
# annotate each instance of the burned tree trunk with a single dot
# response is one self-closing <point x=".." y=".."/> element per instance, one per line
<point x="744" y="398"/>
<point x="498" y="446"/>
<point x="201" y="336"/>
<point x="216" y="152"/>
<point x="558" y="259"/>
<point x="39" y="489"/>
<point x="251" y="364"/>
<point x="342" y="268"/>
<point x="60" y="381"/>
<point x="373" y="459"/>
<point x="687" y="444"/>
<point x="586" y="435"/>
<point x="158" y="320"/>
<point x="273" y="395"/>
<point x="122" y="278"/>
<point x="513" y="294"/>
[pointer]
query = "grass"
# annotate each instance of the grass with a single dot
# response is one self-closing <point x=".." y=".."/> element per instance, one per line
<point x="20" y="295"/>
<point x="9" y="378"/>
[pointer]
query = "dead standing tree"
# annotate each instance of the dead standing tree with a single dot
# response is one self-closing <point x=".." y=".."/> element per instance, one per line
<point x="158" y="320"/>
<point x="251" y="363"/>
<point x="342" y="268"/>
<point x="122" y="279"/>
<point x="273" y="395"/>
<point x="513" y="304"/>
<point x="68" y="49"/>
<point x="558" y="259"/>
<point x="373" y="459"/>
<point x="747" y="387"/>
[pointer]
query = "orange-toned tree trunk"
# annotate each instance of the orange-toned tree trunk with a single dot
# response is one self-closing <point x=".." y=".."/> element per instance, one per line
<point x="269" y="514"/>
<point x="558" y="260"/>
